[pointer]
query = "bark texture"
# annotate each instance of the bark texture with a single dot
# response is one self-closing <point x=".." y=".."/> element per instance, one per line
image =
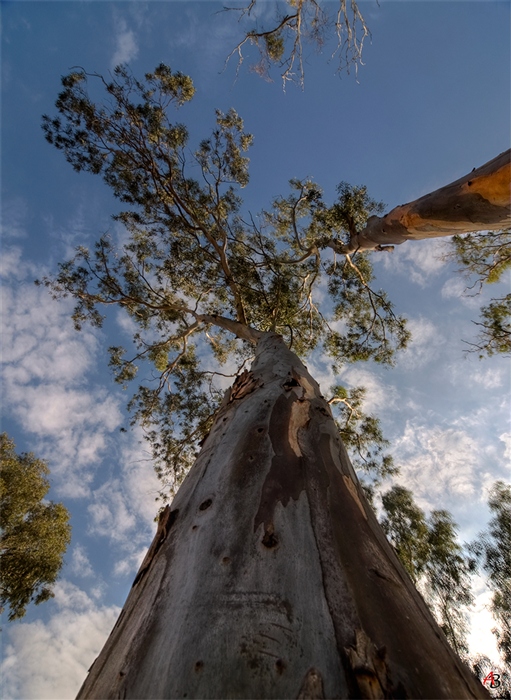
<point x="269" y="576"/>
<point x="479" y="201"/>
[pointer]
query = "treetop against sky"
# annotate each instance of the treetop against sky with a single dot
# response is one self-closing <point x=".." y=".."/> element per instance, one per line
<point x="411" y="120"/>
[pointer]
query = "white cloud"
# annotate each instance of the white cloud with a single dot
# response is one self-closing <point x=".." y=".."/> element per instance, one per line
<point x="10" y="262"/>
<point x="506" y="439"/>
<point x="490" y="377"/>
<point x="424" y="346"/>
<point x="480" y="638"/>
<point x="51" y="660"/>
<point x="456" y="288"/>
<point x="126" y="47"/>
<point x="420" y="261"/>
<point x="45" y="364"/>
<point x="439" y="465"/>
<point x="80" y="564"/>
<point x="379" y="396"/>
<point x="14" y="214"/>
<point x="123" y="509"/>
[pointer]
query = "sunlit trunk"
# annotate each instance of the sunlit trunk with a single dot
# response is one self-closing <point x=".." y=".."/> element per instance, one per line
<point x="269" y="576"/>
<point x="479" y="201"/>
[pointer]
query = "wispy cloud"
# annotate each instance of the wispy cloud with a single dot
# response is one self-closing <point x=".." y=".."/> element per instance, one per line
<point x="36" y="653"/>
<point x="424" y="346"/>
<point x="489" y="377"/>
<point x="80" y="564"/>
<point x="123" y="509"/>
<point x="420" y="261"/>
<point x="445" y="466"/>
<point x="437" y="464"/>
<point x="379" y="395"/>
<point x="506" y="439"/>
<point x="14" y="213"/>
<point x="126" y="46"/>
<point x="456" y="288"/>
<point x="45" y="364"/>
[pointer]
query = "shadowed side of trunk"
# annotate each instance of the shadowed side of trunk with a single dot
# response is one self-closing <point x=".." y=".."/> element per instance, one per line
<point x="269" y="576"/>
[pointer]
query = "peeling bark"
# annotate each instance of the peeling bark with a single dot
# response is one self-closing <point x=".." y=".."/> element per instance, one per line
<point x="479" y="201"/>
<point x="269" y="576"/>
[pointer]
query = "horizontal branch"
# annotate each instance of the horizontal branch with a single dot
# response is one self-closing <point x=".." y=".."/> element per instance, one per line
<point x="241" y="330"/>
<point x="478" y="201"/>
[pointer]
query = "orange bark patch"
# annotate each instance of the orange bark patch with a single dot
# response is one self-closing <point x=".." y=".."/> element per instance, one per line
<point x="495" y="187"/>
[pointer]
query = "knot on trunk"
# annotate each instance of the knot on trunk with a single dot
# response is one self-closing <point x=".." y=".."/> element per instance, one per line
<point x="369" y="667"/>
<point x="244" y="384"/>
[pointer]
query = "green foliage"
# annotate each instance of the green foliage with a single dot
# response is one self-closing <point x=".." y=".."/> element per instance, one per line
<point x="430" y="553"/>
<point x="406" y="528"/>
<point x="34" y="533"/>
<point x="353" y="207"/>
<point x="486" y="257"/>
<point x="274" y="46"/>
<point x="483" y="255"/>
<point x="361" y="434"/>
<point x="492" y="550"/>
<point x="448" y="580"/>
<point x="192" y="261"/>
<point x="495" y="328"/>
<point x="296" y="23"/>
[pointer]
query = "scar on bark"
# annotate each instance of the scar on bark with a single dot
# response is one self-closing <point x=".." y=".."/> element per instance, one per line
<point x="269" y="539"/>
<point x="312" y="686"/>
<point x="244" y="384"/>
<point x="369" y="667"/>
<point x="285" y="478"/>
<point x="167" y="519"/>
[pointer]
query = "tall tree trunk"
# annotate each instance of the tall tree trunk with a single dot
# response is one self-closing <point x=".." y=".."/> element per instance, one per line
<point x="479" y="201"/>
<point x="269" y="576"/>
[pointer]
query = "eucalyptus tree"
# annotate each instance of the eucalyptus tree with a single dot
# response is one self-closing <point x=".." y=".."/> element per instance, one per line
<point x="281" y="34"/>
<point x="493" y="552"/>
<point x="269" y="575"/>
<point x="479" y="202"/>
<point x="496" y="680"/>
<point x="485" y="258"/>
<point x="34" y="533"/>
<point x="435" y="561"/>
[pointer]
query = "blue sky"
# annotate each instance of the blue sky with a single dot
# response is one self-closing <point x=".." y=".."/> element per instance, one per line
<point x="430" y="102"/>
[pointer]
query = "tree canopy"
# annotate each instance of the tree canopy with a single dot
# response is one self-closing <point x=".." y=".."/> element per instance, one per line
<point x="493" y="552"/>
<point x="202" y="279"/>
<point x="34" y="533"/>
<point x="198" y="273"/>
<point x="430" y="552"/>
<point x="485" y="258"/>
<point x="281" y="38"/>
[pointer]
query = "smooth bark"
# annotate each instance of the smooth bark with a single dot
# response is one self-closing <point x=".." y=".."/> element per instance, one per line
<point x="269" y="575"/>
<point x="479" y="201"/>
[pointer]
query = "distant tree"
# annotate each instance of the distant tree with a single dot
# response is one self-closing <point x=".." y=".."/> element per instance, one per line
<point x="281" y="38"/>
<point x="405" y="525"/>
<point x="495" y="328"/>
<point x="34" y="533"/>
<point x="484" y="258"/>
<point x="496" y="680"/>
<point x="447" y="581"/>
<point x="492" y="550"/>
<point x="269" y="575"/>
<point x="429" y="550"/>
